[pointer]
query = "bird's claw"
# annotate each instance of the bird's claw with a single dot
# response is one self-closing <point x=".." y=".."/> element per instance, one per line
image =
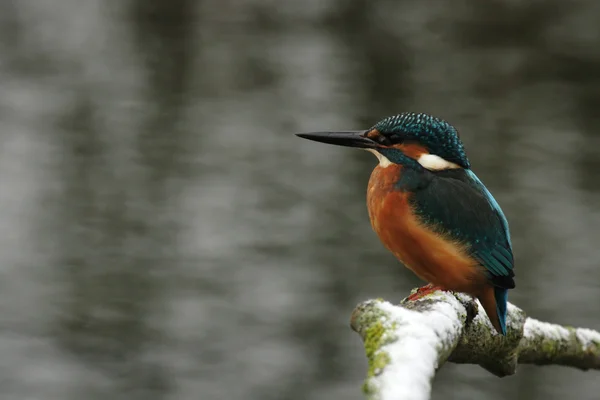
<point x="424" y="291"/>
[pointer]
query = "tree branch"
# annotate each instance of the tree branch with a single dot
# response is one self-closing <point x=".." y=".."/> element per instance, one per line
<point x="407" y="343"/>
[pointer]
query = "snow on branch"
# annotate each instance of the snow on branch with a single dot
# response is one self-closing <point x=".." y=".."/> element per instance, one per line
<point x="405" y="344"/>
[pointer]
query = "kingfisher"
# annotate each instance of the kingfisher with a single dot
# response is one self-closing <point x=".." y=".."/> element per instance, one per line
<point x="432" y="212"/>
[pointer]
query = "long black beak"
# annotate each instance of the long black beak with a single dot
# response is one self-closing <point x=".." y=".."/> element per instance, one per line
<point x="347" y="138"/>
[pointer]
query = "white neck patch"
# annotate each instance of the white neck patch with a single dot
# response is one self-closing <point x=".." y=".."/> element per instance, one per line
<point x="383" y="160"/>
<point x="429" y="161"/>
<point x="435" y="163"/>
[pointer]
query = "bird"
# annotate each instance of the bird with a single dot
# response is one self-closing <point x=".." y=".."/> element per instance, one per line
<point x="432" y="212"/>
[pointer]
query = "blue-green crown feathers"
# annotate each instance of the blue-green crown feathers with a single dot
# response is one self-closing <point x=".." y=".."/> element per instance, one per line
<point x="437" y="135"/>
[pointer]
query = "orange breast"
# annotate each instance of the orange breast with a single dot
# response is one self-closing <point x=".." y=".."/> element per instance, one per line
<point x="430" y="255"/>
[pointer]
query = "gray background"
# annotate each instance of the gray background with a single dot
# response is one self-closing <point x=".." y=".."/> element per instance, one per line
<point x="163" y="235"/>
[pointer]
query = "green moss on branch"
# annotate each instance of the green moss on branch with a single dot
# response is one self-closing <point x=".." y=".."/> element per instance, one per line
<point x="471" y="340"/>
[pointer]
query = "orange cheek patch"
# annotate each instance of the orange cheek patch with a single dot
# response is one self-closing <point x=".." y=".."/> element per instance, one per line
<point x="412" y="150"/>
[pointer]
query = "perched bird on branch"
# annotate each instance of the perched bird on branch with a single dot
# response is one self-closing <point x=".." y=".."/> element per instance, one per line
<point x="432" y="212"/>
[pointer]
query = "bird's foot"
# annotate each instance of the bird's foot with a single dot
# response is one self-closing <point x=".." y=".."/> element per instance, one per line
<point x="424" y="291"/>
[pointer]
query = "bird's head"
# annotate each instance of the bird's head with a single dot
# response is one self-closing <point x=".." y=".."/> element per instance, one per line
<point x="404" y="139"/>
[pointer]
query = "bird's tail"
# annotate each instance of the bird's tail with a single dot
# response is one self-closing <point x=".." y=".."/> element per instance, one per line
<point x="494" y="300"/>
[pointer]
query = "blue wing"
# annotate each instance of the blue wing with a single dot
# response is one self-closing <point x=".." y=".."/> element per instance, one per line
<point x="456" y="203"/>
<point x="493" y="203"/>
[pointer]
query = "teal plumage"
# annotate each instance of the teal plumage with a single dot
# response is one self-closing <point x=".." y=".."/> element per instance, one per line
<point x="428" y="130"/>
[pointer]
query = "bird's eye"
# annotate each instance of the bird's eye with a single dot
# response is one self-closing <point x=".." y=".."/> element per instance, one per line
<point x="378" y="137"/>
<point x="381" y="139"/>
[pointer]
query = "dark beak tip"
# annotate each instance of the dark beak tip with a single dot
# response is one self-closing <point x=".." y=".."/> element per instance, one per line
<point x="316" y="136"/>
<point x="340" y="138"/>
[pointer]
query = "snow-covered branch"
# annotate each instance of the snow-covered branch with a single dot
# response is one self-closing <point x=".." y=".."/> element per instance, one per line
<point x="405" y="344"/>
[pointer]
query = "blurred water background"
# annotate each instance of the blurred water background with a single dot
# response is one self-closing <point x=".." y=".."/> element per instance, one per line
<point x="163" y="235"/>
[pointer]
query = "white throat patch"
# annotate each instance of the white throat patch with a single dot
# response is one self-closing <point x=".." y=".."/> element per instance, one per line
<point x="383" y="160"/>
<point x="436" y="163"/>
